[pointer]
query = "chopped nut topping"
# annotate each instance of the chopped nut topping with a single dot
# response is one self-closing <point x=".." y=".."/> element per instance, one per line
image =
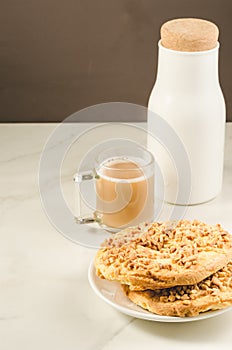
<point x="212" y="285"/>
<point x="169" y="248"/>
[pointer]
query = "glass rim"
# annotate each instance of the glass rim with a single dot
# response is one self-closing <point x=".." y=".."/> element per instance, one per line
<point x="126" y="156"/>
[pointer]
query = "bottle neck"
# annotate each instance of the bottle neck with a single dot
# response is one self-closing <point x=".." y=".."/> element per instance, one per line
<point x="187" y="70"/>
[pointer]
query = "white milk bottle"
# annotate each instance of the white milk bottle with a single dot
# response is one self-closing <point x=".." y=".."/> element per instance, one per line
<point x="187" y="95"/>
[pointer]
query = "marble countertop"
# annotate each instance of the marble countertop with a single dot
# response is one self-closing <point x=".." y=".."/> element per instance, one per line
<point x="45" y="298"/>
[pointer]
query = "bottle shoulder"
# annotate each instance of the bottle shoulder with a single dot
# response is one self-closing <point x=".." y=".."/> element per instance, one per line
<point x="167" y="96"/>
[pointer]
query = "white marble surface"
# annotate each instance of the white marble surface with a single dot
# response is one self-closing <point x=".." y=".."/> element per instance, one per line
<point x="45" y="299"/>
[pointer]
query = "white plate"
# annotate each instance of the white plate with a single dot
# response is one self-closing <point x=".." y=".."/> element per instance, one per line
<point x="113" y="295"/>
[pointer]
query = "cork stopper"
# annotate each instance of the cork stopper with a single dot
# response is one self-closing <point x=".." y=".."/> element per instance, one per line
<point x="189" y="34"/>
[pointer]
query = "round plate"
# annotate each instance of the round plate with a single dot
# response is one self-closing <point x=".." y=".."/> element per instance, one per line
<point x="112" y="294"/>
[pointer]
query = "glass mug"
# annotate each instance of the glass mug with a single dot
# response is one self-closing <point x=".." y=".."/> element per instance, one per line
<point x="123" y="188"/>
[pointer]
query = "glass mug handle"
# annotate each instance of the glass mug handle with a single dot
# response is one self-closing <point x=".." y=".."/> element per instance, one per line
<point x="78" y="179"/>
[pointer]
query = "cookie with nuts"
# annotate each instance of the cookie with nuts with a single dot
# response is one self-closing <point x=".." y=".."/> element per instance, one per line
<point x="214" y="292"/>
<point x="164" y="255"/>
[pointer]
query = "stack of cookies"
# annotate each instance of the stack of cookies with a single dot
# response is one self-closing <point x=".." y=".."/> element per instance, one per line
<point x="178" y="268"/>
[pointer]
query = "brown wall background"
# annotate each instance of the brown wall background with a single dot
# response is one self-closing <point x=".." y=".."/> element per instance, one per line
<point x="57" y="57"/>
